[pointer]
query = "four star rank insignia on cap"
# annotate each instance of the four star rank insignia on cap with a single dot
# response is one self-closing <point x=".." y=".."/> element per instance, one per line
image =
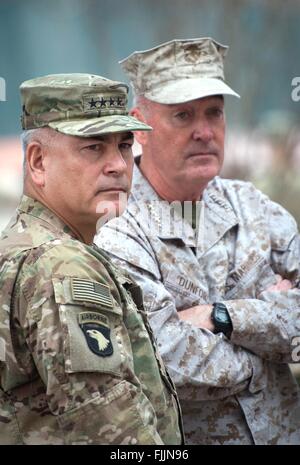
<point x="103" y="102"/>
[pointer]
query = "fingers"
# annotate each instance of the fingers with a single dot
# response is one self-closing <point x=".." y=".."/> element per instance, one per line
<point x="285" y="285"/>
<point x="282" y="285"/>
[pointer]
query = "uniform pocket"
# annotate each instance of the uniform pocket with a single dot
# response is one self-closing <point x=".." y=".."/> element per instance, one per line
<point x="112" y="419"/>
<point x="90" y="327"/>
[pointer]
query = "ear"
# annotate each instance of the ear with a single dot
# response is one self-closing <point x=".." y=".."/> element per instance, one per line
<point x="141" y="136"/>
<point x="35" y="159"/>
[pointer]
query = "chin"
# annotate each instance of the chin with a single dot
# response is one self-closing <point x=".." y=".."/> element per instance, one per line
<point x="206" y="168"/>
<point x="203" y="175"/>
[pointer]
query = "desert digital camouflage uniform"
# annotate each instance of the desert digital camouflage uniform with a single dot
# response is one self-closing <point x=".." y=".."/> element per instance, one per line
<point x="237" y="391"/>
<point x="78" y="363"/>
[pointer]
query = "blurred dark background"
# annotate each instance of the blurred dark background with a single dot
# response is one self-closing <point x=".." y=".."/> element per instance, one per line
<point x="40" y="37"/>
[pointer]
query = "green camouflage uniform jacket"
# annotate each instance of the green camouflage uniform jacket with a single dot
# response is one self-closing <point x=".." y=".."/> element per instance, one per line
<point x="237" y="391"/>
<point x="77" y="363"/>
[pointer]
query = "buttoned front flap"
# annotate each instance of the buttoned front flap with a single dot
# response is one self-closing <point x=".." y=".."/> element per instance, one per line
<point x="92" y="323"/>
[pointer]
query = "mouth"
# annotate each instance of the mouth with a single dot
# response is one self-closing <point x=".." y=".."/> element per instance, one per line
<point x="202" y="154"/>
<point x="112" y="189"/>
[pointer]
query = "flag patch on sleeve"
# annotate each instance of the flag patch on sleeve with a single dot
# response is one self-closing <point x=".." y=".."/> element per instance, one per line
<point x="85" y="290"/>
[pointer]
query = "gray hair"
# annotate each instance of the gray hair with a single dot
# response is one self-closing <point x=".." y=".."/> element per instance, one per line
<point x="30" y="135"/>
<point x="26" y="137"/>
<point x="141" y="102"/>
<point x="135" y="99"/>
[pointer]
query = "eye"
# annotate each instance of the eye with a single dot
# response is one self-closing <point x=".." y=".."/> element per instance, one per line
<point x="216" y="112"/>
<point x="126" y="145"/>
<point x="93" y="147"/>
<point x="182" y="115"/>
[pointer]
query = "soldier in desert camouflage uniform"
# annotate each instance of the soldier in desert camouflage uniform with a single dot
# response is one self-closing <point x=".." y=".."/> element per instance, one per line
<point x="77" y="360"/>
<point x="225" y="328"/>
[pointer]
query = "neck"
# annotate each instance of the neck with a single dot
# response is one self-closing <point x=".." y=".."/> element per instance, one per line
<point x="87" y="232"/>
<point x="167" y="190"/>
<point x="84" y="233"/>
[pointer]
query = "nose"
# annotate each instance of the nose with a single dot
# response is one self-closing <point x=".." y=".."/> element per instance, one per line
<point x="115" y="164"/>
<point x="203" y="131"/>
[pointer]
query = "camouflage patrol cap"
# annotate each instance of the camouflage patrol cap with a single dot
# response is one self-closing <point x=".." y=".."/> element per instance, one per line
<point x="82" y="105"/>
<point x="178" y="71"/>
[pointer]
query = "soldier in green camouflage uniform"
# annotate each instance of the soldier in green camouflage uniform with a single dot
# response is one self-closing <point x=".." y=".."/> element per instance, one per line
<point x="77" y="359"/>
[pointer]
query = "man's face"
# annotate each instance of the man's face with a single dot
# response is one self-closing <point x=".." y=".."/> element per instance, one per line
<point x="186" y="146"/>
<point x="83" y="173"/>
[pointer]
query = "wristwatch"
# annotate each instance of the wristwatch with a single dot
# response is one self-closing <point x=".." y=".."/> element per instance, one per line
<point x="221" y="319"/>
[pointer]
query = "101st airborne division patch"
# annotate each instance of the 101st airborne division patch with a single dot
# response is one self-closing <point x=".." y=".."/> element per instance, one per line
<point x="97" y="333"/>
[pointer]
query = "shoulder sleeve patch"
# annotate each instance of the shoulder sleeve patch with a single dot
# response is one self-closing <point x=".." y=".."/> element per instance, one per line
<point x="83" y="292"/>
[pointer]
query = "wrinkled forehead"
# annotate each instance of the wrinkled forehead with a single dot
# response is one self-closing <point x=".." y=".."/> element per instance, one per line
<point x="109" y="137"/>
<point x="198" y="101"/>
<point x="103" y="138"/>
<point x="156" y="107"/>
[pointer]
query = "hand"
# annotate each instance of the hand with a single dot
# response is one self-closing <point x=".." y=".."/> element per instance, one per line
<point x="281" y="285"/>
<point x="199" y="316"/>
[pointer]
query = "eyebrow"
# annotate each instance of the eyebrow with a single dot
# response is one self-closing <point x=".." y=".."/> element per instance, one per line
<point x="127" y="135"/>
<point x="219" y="96"/>
<point x="180" y="105"/>
<point x="104" y="137"/>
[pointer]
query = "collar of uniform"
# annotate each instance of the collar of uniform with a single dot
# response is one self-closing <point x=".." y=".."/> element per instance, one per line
<point x="35" y="208"/>
<point x="218" y="217"/>
<point x="163" y="220"/>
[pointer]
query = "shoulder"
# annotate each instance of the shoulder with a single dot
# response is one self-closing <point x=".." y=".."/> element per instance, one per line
<point x="133" y="247"/>
<point x="60" y="260"/>
<point x="243" y="196"/>
<point x="254" y="207"/>
<point x="25" y="233"/>
<point x="235" y="188"/>
<point x="65" y="257"/>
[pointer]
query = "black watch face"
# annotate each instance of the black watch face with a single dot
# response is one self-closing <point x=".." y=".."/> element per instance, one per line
<point x="222" y="316"/>
<point x="222" y="319"/>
